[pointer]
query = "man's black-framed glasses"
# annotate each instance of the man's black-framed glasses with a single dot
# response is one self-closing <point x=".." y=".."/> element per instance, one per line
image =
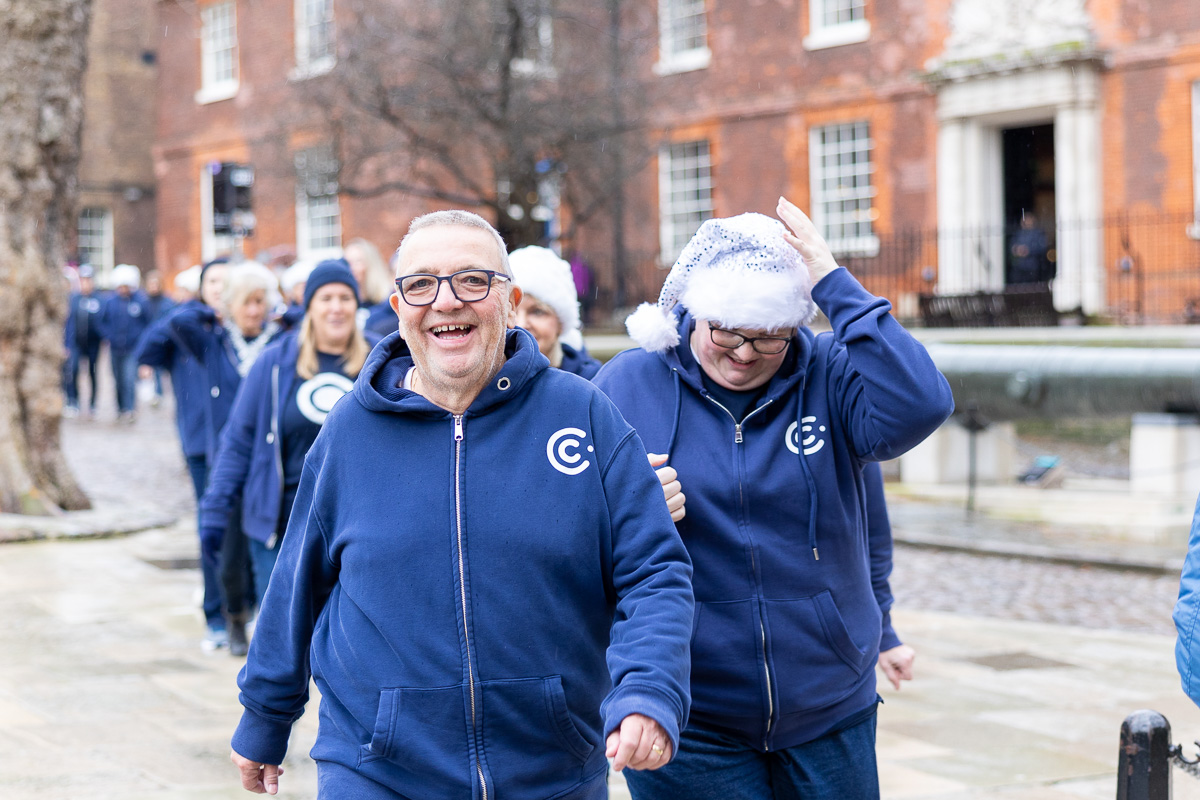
<point x="764" y="345"/>
<point x="468" y="285"/>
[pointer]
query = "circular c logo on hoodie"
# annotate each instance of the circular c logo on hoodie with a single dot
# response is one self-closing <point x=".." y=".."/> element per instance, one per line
<point x="559" y="451"/>
<point x="811" y="443"/>
<point x="318" y="394"/>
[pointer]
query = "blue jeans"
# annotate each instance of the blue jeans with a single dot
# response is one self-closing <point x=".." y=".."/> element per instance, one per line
<point x="124" y="367"/>
<point x="262" y="563"/>
<point x="198" y="468"/>
<point x="71" y="373"/>
<point x="713" y="766"/>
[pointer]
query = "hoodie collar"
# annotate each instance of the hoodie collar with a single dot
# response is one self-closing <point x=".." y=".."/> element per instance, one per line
<point x="790" y="373"/>
<point x="380" y="383"/>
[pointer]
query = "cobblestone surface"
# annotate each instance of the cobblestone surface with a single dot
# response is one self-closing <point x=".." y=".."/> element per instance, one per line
<point x="138" y="464"/>
<point x="1022" y="589"/>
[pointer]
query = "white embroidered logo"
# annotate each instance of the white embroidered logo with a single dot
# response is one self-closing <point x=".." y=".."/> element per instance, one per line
<point x="811" y="443"/>
<point x="559" y="451"/>
<point x="316" y="396"/>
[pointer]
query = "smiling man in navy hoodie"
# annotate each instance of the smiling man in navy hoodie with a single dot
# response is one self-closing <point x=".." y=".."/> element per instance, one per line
<point x="480" y="571"/>
<point x="772" y="431"/>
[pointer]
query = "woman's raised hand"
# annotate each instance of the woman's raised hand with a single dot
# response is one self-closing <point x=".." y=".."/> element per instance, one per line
<point x="805" y="238"/>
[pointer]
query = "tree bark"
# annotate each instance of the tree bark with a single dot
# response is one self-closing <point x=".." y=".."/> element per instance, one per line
<point x="43" y="53"/>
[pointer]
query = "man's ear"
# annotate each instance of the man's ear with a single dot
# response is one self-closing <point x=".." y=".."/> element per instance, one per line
<point x="514" y="299"/>
<point x="394" y="301"/>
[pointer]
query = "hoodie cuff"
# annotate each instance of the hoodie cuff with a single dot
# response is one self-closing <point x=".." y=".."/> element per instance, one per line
<point x="647" y="701"/>
<point x="889" y="638"/>
<point x="261" y="739"/>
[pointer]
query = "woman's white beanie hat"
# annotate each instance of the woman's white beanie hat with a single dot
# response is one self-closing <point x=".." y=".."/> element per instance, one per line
<point x="738" y="272"/>
<point x="189" y="280"/>
<point x="541" y="273"/>
<point x="294" y="275"/>
<point x="126" y="275"/>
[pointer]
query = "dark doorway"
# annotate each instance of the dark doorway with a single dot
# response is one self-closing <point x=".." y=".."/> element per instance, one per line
<point x="1029" y="212"/>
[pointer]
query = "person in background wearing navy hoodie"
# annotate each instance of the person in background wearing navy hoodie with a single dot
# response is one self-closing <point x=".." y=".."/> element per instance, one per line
<point x="82" y="339"/>
<point x="375" y="287"/>
<point x="479" y="571"/>
<point x="162" y="348"/>
<point x="226" y="340"/>
<point x="123" y="320"/>
<point x="550" y="310"/>
<point x="277" y="415"/>
<point x="770" y="428"/>
<point x="158" y="305"/>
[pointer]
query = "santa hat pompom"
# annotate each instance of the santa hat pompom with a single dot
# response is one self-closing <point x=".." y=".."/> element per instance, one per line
<point x="653" y="330"/>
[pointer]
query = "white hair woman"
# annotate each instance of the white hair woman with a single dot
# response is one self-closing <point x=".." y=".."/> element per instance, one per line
<point x="550" y="309"/>
<point x="278" y="413"/>
<point x="225" y="341"/>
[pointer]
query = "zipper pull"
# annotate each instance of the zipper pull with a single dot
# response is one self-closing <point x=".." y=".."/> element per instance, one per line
<point x="458" y="428"/>
<point x="816" y="555"/>
<point x="737" y="433"/>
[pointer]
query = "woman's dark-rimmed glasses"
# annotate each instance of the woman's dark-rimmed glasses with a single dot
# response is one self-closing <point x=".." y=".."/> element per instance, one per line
<point x="764" y="345"/>
<point x="468" y="285"/>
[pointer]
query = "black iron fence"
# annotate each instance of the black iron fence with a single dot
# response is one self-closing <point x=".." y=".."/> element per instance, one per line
<point x="1124" y="268"/>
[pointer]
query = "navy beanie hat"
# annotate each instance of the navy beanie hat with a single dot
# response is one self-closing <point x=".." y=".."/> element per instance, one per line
<point x="333" y="270"/>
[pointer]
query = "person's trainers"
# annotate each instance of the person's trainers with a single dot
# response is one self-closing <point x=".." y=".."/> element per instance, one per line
<point x="215" y="639"/>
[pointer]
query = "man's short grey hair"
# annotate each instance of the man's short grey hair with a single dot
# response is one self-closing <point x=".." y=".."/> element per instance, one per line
<point x="455" y="217"/>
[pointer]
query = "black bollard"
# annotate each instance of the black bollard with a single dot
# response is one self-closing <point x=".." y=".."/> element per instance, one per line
<point x="1144" y="767"/>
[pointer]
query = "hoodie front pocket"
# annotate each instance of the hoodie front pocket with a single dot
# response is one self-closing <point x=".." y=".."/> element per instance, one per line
<point x="727" y="672"/>
<point x="424" y="732"/>
<point x="815" y="660"/>
<point x="533" y="745"/>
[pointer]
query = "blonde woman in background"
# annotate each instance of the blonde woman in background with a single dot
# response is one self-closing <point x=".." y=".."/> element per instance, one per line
<point x="375" y="286"/>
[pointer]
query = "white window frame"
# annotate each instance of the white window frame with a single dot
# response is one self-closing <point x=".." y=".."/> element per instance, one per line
<point x="823" y="34"/>
<point x="212" y="244"/>
<point x="542" y="64"/>
<point x="309" y="65"/>
<point x="104" y="264"/>
<point x="215" y="40"/>
<point x="309" y="209"/>
<point x="680" y="214"/>
<point x="1193" y="230"/>
<point x="859" y="244"/>
<point x="670" y="59"/>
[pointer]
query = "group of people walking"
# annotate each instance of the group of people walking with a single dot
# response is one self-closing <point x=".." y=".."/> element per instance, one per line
<point x="509" y="569"/>
<point x="119" y="317"/>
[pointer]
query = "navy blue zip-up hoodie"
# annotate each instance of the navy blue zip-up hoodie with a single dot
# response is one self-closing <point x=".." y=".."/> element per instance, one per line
<point x="578" y="362"/>
<point x="123" y="320"/>
<point x="249" y="461"/>
<point x="480" y="599"/>
<point x="787" y="626"/>
<point x="82" y="330"/>
<point x="159" y="347"/>
<point x="195" y="329"/>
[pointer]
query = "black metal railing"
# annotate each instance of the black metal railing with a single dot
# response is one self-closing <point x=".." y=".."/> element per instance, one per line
<point x="1134" y="268"/>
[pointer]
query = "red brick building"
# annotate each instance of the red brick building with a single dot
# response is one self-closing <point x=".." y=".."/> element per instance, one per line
<point x="917" y="132"/>
<point x="116" y="172"/>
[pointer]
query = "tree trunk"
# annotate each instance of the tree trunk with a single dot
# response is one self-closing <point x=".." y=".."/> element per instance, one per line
<point x="43" y="53"/>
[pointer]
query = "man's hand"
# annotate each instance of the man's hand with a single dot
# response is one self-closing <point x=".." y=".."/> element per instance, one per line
<point x="145" y="372"/>
<point x="256" y="777"/>
<point x="897" y="664"/>
<point x="641" y="743"/>
<point x="805" y="238"/>
<point x="672" y="490"/>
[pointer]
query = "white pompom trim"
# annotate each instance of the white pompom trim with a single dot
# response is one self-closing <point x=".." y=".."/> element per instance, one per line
<point x="652" y="329"/>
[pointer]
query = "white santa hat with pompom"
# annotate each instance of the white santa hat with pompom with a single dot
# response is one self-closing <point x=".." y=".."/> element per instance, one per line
<point x="737" y="272"/>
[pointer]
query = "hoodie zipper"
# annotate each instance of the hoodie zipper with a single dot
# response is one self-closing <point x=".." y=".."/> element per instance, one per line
<point x="462" y="587"/>
<point x="762" y="631"/>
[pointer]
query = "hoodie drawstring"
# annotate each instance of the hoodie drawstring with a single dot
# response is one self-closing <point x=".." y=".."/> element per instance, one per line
<point x="812" y="491"/>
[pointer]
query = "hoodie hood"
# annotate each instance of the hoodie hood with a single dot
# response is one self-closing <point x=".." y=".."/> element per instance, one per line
<point x="380" y="383"/>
